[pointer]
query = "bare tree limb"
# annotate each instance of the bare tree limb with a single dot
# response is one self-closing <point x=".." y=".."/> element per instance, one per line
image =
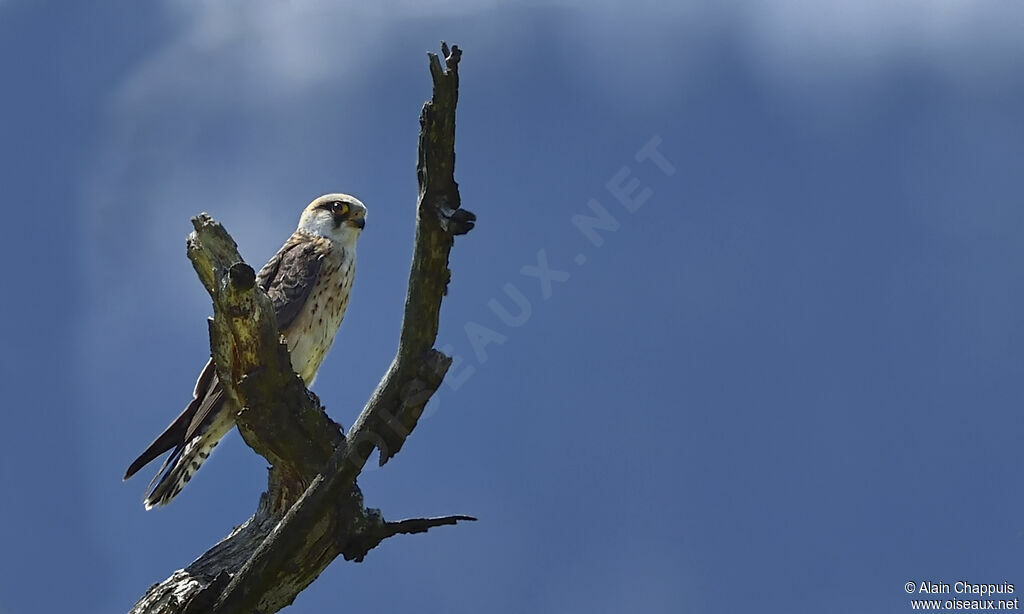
<point x="313" y="510"/>
<point x="360" y="545"/>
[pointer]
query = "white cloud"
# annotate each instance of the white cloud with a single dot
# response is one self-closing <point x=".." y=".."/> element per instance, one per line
<point x="232" y="49"/>
<point x="257" y="59"/>
<point x="962" y="38"/>
<point x="273" y="47"/>
<point x="795" y="47"/>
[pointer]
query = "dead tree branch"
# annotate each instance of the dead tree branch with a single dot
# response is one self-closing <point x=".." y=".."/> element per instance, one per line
<point x="313" y="509"/>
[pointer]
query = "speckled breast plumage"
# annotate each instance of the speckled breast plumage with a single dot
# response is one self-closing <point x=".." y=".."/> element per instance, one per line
<point x="311" y="335"/>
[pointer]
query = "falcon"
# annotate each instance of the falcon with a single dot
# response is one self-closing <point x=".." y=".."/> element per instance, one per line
<point x="308" y="282"/>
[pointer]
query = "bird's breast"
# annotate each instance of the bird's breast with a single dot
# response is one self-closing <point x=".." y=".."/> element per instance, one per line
<point x="312" y="333"/>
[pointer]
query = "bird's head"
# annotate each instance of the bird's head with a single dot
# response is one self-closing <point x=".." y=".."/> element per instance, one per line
<point x="334" y="216"/>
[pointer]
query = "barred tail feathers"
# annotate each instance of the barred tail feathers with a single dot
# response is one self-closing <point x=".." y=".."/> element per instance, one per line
<point x="183" y="465"/>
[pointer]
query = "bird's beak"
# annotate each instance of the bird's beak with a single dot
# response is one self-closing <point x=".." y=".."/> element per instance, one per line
<point x="358" y="223"/>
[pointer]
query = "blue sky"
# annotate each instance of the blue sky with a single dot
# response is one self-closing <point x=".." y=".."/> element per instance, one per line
<point x="789" y="381"/>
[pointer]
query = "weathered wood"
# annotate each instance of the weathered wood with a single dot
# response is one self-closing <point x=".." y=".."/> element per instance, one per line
<point x="313" y="509"/>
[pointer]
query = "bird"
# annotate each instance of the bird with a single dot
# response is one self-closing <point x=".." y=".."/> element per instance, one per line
<point x="308" y="281"/>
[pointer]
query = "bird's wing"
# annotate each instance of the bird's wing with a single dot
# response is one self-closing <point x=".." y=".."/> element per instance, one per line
<point x="288" y="280"/>
<point x="184" y="425"/>
<point x="205" y="400"/>
<point x="289" y="277"/>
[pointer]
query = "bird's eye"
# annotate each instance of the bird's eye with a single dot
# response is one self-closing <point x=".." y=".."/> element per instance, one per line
<point x="340" y="208"/>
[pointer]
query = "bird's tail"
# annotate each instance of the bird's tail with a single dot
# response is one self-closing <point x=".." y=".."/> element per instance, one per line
<point x="181" y="465"/>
